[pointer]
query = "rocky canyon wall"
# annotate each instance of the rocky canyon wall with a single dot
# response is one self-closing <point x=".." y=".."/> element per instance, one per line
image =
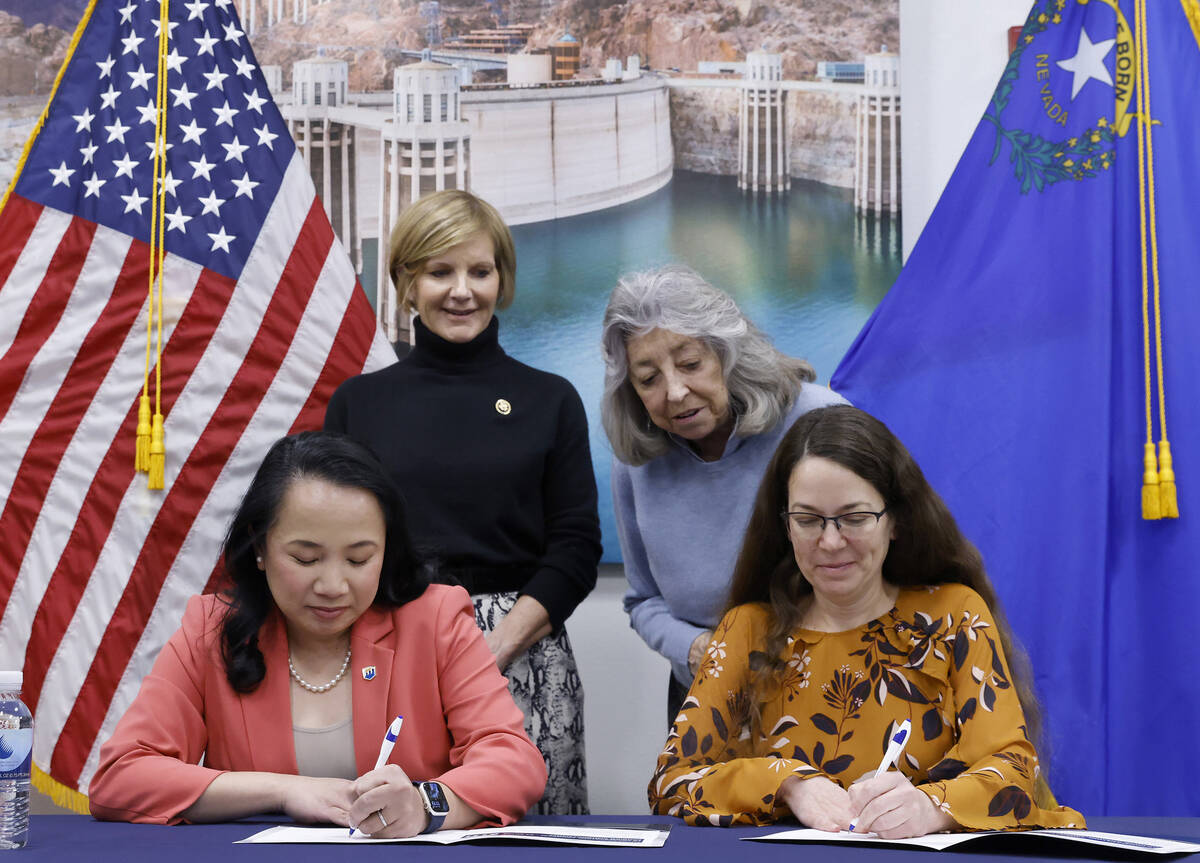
<point x="821" y="126"/>
<point x="29" y="57"/>
<point x="821" y="131"/>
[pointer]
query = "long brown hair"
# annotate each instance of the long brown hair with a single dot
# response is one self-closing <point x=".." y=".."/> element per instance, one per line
<point x="928" y="547"/>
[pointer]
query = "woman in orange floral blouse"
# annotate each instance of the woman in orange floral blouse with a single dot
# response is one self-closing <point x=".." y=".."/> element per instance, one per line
<point x="856" y="604"/>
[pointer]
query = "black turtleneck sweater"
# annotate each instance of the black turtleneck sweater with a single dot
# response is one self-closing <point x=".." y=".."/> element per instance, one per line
<point x="492" y="458"/>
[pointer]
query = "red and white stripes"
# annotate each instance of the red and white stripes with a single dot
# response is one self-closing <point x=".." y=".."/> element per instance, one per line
<point x="96" y="568"/>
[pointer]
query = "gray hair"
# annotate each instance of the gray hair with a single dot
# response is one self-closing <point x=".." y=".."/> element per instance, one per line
<point x="762" y="382"/>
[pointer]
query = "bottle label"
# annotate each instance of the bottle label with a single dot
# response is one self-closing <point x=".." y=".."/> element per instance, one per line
<point x="15" y="747"/>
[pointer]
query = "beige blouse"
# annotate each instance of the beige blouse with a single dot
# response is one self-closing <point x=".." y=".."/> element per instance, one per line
<point x="326" y="751"/>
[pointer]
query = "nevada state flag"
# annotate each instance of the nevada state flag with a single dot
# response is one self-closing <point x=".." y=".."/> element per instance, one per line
<point x="1044" y="330"/>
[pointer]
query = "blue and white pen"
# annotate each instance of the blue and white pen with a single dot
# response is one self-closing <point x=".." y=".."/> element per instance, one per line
<point x="385" y="749"/>
<point x="895" y="748"/>
<point x="389" y="740"/>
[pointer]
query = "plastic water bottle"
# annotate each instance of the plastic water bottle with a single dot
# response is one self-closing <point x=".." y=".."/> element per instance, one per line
<point x="16" y="752"/>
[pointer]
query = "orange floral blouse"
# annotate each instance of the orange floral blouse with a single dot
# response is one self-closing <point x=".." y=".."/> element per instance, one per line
<point x="934" y="659"/>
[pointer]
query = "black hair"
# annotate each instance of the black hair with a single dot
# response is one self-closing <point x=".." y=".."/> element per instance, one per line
<point x="334" y="458"/>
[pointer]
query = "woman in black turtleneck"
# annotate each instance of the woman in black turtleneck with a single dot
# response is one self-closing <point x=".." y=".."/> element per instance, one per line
<point x="493" y="460"/>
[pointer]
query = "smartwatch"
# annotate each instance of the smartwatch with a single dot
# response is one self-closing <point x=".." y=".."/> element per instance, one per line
<point x="436" y="804"/>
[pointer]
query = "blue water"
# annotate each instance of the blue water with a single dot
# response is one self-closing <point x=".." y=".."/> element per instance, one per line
<point x="803" y="266"/>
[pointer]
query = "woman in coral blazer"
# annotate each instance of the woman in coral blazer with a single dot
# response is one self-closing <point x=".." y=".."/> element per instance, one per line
<point x="328" y="592"/>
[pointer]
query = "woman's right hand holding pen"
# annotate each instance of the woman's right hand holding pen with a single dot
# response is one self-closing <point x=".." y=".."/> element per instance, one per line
<point x="387" y="805"/>
<point x="388" y="790"/>
<point x="888" y="806"/>
<point x="891" y="807"/>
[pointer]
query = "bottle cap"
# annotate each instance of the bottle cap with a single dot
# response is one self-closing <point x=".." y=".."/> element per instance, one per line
<point x="10" y="681"/>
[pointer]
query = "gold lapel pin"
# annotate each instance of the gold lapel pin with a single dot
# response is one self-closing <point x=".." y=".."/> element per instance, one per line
<point x="503" y="407"/>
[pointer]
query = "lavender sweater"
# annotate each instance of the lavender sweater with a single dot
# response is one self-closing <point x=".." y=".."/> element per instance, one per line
<point x="681" y="521"/>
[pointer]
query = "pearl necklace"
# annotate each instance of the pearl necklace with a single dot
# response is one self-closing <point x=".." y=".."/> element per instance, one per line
<point x="328" y="686"/>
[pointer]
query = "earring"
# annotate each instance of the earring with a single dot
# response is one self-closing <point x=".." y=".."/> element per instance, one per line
<point x="258" y="559"/>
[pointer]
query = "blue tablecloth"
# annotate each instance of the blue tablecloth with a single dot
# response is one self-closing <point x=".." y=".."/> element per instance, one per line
<point x="68" y="838"/>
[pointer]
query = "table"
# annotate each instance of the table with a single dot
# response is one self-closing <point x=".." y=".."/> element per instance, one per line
<point x="68" y="838"/>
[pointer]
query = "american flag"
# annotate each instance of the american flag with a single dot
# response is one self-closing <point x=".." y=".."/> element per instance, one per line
<point x="263" y="318"/>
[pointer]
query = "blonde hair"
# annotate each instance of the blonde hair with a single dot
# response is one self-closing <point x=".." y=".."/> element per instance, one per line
<point x="436" y="223"/>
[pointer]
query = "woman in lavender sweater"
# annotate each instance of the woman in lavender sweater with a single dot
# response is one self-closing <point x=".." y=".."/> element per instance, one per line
<point x="695" y="400"/>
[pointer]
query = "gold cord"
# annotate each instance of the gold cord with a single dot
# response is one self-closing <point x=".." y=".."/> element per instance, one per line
<point x="1159" y="493"/>
<point x="156" y="462"/>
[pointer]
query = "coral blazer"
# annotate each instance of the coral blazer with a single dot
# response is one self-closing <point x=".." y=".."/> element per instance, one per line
<point x="429" y="661"/>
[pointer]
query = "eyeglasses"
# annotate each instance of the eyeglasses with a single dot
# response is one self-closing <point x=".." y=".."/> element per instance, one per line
<point x="851" y="525"/>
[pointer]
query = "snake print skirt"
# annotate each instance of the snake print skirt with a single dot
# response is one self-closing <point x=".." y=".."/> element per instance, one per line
<point x="544" y="682"/>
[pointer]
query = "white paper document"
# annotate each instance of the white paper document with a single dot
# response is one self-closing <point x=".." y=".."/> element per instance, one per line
<point x="942" y="841"/>
<point x="624" y="837"/>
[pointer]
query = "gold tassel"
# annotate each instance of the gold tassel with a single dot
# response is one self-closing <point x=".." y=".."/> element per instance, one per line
<point x="158" y="454"/>
<point x="59" y="794"/>
<point x="142" y="459"/>
<point x="1151" y="507"/>
<point x="1169" y="504"/>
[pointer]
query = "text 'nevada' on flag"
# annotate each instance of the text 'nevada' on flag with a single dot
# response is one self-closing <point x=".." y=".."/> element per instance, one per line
<point x="263" y="318"/>
<point x="1016" y="358"/>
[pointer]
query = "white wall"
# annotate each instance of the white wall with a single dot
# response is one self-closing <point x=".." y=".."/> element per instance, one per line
<point x="952" y="53"/>
<point x="529" y="68"/>
<point x="625" y="699"/>
<point x="539" y="154"/>
<point x="511" y="147"/>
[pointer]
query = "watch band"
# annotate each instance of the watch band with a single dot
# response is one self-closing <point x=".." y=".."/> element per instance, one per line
<point x="433" y="798"/>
